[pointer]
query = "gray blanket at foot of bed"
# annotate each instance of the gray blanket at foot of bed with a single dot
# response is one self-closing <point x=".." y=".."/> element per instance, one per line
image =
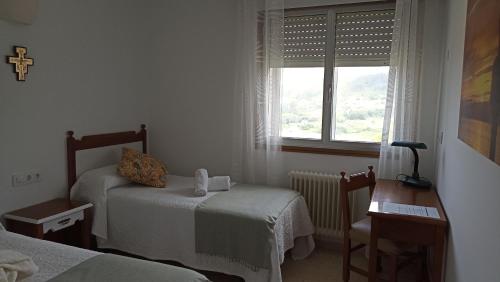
<point x="113" y="268"/>
<point x="239" y="224"/>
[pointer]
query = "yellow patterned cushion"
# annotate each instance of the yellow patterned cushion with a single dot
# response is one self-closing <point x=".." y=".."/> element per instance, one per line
<point x="142" y="168"/>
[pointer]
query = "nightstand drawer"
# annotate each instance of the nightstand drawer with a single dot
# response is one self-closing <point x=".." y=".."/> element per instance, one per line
<point x="62" y="222"/>
<point x="58" y="220"/>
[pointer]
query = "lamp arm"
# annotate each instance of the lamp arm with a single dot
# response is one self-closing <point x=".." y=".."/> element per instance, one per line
<point x="415" y="167"/>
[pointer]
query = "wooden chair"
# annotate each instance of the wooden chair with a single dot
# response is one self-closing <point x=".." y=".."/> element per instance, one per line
<point x="360" y="230"/>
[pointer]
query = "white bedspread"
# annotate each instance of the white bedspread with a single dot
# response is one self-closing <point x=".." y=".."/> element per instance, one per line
<point x="159" y="224"/>
<point x="51" y="258"/>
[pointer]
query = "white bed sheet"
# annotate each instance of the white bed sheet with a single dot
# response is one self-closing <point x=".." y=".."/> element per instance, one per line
<point x="52" y="258"/>
<point x="159" y="224"/>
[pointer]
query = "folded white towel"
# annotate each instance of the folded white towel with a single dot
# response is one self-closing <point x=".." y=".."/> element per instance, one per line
<point x="219" y="183"/>
<point x="200" y="182"/>
<point x="15" y="266"/>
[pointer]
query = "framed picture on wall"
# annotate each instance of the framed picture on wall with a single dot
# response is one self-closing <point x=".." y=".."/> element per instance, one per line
<point x="480" y="102"/>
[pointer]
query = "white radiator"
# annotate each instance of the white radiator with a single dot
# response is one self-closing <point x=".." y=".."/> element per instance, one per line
<point x="322" y="194"/>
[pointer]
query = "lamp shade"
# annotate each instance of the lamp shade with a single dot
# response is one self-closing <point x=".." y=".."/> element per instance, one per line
<point x="416" y="145"/>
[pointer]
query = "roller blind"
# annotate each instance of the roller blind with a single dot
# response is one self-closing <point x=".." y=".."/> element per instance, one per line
<point x="305" y="41"/>
<point x="361" y="38"/>
<point x="364" y="38"/>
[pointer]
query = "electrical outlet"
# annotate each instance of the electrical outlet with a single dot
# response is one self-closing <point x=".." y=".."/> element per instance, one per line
<point x="26" y="178"/>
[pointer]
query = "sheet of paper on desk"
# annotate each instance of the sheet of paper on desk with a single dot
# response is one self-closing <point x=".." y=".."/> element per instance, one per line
<point x="410" y="210"/>
<point x="432" y="212"/>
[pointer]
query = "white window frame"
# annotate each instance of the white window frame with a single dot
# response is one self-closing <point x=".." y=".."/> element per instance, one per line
<point x="329" y="99"/>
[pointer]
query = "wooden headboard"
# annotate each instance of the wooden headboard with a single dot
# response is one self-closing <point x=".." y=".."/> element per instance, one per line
<point x="100" y="140"/>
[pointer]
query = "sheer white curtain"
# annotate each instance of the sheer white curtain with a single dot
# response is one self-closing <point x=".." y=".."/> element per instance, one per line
<point x="256" y="141"/>
<point x="402" y="105"/>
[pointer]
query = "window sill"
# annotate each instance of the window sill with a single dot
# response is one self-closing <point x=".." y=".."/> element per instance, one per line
<point x="313" y="146"/>
<point x="330" y="151"/>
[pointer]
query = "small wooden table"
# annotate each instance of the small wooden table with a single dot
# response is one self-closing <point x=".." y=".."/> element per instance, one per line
<point x="60" y="214"/>
<point x="418" y="230"/>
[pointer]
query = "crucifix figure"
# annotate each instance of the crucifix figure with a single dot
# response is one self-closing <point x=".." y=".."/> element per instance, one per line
<point x="21" y="62"/>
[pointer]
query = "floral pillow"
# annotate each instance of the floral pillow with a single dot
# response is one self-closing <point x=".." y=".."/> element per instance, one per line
<point x="142" y="168"/>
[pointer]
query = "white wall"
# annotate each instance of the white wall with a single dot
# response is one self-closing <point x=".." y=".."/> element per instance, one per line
<point x="191" y="112"/>
<point x="88" y="77"/>
<point x="192" y="108"/>
<point x="468" y="183"/>
<point x="96" y="60"/>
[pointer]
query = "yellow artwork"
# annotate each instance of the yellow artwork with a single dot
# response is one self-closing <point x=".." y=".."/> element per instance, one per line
<point x="21" y="63"/>
<point x="480" y="102"/>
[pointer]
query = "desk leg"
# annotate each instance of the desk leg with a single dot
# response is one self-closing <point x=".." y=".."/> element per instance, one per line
<point x="372" y="262"/>
<point x="437" y="268"/>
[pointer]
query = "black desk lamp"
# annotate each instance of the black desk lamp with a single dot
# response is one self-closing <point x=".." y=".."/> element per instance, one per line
<point x="415" y="179"/>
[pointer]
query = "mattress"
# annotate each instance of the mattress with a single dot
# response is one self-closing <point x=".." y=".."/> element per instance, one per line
<point x="159" y="224"/>
<point x="66" y="263"/>
<point x="52" y="258"/>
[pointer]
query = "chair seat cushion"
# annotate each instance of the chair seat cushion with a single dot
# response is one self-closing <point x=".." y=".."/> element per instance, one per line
<point x="361" y="230"/>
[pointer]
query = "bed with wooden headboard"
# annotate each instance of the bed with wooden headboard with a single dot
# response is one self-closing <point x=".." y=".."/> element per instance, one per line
<point x="57" y="262"/>
<point x="160" y="224"/>
<point x="74" y="145"/>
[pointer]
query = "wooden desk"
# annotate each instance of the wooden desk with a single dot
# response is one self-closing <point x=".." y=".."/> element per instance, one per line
<point x="423" y="231"/>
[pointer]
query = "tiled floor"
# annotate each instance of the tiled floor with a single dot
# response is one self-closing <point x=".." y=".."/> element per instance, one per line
<point x="322" y="266"/>
<point x="326" y="265"/>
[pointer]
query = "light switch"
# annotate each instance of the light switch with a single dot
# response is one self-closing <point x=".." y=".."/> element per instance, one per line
<point x="26" y="178"/>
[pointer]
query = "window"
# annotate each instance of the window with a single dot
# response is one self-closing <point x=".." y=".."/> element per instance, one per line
<point x="303" y="76"/>
<point x="335" y="76"/>
<point x="360" y="108"/>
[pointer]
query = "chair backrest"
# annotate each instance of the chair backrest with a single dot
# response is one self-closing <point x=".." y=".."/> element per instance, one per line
<point x="355" y="182"/>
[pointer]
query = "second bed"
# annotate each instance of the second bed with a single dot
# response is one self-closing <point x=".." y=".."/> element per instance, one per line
<point x="244" y="232"/>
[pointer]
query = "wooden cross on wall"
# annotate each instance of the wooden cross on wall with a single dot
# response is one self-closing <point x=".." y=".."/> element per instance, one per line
<point x="20" y="62"/>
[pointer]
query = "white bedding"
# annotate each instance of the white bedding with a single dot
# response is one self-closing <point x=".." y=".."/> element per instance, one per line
<point x="51" y="258"/>
<point x="93" y="186"/>
<point x="159" y="224"/>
